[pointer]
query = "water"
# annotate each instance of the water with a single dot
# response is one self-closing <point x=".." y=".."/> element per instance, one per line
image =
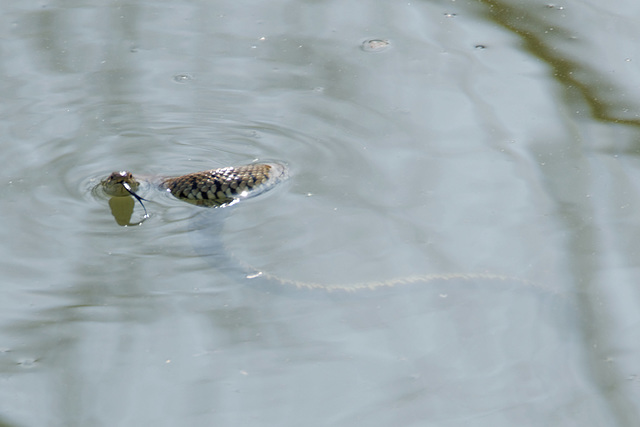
<point x="426" y="139"/>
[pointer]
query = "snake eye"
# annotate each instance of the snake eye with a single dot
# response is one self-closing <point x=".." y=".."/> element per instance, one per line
<point x="119" y="177"/>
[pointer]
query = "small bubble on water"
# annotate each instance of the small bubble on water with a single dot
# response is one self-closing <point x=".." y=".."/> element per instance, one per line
<point x="375" y="45"/>
<point x="480" y="46"/>
<point x="450" y="15"/>
<point x="182" y="78"/>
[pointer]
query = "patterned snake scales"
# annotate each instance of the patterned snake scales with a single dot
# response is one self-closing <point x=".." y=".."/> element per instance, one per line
<point x="225" y="186"/>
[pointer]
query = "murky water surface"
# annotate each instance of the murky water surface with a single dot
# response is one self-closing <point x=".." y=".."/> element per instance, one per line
<point x="464" y="177"/>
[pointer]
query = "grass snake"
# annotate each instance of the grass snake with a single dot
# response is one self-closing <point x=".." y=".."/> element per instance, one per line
<point x="226" y="186"/>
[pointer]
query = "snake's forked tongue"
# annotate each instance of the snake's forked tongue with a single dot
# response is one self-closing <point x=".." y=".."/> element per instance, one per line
<point x="122" y="208"/>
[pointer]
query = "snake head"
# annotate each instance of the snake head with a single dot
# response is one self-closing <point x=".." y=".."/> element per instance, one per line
<point x="115" y="185"/>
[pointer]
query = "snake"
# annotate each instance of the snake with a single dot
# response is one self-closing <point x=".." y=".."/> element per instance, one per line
<point x="210" y="188"/>
<point x="223" y="187"/>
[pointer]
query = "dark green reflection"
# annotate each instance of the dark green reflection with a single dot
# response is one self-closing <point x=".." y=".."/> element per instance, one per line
<point x="583" y="84"/>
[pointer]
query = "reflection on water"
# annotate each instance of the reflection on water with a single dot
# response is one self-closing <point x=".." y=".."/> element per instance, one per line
<point x="494" y="142"/>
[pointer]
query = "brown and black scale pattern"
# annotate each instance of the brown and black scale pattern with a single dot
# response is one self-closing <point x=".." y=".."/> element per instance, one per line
<point x="220" y="186"/>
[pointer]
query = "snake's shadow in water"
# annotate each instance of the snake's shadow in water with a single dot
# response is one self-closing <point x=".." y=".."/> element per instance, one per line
<point x="206" y="230"/>
<point x="207" y="234"/>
